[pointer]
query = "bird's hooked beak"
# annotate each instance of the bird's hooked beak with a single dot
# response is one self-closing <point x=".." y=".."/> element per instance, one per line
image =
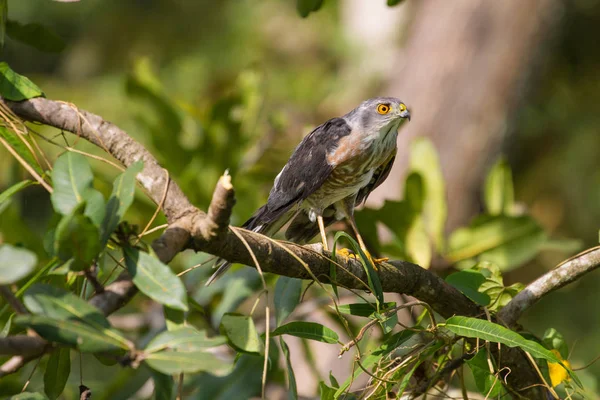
<point x="405" y="114"/>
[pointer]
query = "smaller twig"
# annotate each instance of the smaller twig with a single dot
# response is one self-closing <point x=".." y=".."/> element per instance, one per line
<point x="90" y="274"/>
<point x="566" y="272"/>
<point x="11" y="299"/>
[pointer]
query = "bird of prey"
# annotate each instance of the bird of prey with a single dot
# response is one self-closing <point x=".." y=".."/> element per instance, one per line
<point x="333" y="170"/>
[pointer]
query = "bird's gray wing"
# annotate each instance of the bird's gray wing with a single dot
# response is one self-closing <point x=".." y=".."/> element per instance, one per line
<point x="304" y="173"/>
<point x="377" y="179"/>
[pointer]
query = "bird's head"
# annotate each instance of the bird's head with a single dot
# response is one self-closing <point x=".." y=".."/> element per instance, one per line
<point x="379" y="113"/>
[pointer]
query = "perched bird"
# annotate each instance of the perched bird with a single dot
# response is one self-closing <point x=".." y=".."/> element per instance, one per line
<point x="332" y="170"/>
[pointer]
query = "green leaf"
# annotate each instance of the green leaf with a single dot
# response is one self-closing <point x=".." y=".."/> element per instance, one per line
<point x="485" y="330"/>
<point x="17" y="187"/>
<point x="372" y="277"/>
<point x="3" y="16"/>
<point x="287" y="297"/>
<point x="305" y="7"/>
<point x="6" y="329"/>
<point x="29" y="396"/>
<point x="555" y="340"/>
<point x="35" y="35"/>
<point x="469" y="282"/>
<point x="308" y="330"/>
<point x="499" y="193"/>
<point x="76" y="237"/>
<point x="155" y="279"/>
<point x="424" y="160"/>
<point x="54" y="302"/>
<point x="363" y="309"/>
<point x="494" y="287"/>
<point x="503" y="240"/>
<point x="95" y="208"/>
<point x="186" y="339"/>
<point x="163" y="385"/>
<point x="487" y="384"/>
<point x="418" y="244"/>
<point x="72" y="180"/>
<point x="19" y="147"/>
<point x="292" y="388"/>
<point x="120" y="200"/>
<point x="241" y="333"/>
<point x="392" y="3"/>
<point x="73" y="333"/>
<point x="57" y="372"/>
<point x="176" y="362"/>
<point x="15" y="263"/>
<point x="16" y="87"/>
<point x="326" y="392"/>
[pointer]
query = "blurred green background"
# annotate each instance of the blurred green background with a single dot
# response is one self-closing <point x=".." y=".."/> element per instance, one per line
<point x="234" y="84"/>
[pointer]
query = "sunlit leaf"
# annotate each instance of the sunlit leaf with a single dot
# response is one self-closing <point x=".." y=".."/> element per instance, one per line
<point x="120" y="200"/>
<point x="186" y="338"/>
<point x="72" y="333"/>
<point x="469" y="282"/>
<point x="499" y="192"/>
<point x="35" y="35"/>
<point x="485" y="330"/>
<point x="241" y="333"/>
<point x="16" y="87"/>
<point x="425" y="161"/>
<point x="287" y="297"/>
<point x="176" y="362"/>
<point x="155" y="279"/>
<point x="505" y="241"/>
<point x="307" y="330"/>
<point x="418" y="245"/>
<point x="57" y="372"/>
<point x="15" y="263"/>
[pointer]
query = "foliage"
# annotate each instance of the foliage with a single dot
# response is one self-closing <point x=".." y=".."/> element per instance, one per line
<point x="211" y="335"/>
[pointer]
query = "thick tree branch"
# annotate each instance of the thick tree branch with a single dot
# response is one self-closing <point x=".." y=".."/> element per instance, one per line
<point x="567" y="272"/>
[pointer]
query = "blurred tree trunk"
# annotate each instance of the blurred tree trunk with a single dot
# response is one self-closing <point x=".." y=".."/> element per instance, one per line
<point x="462" y="72"/>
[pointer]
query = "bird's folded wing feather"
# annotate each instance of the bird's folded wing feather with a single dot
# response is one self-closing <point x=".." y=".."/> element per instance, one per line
<point x="305" y="172"/>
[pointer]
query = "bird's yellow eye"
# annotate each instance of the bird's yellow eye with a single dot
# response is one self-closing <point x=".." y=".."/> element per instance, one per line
<point x="402" y="107"/>
<point x="383" y="109"/>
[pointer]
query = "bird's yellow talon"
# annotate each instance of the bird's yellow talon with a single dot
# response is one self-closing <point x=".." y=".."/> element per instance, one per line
<point x="347" y="253"/>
